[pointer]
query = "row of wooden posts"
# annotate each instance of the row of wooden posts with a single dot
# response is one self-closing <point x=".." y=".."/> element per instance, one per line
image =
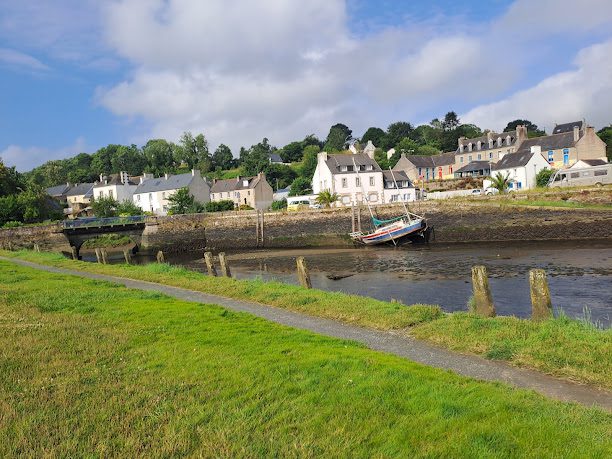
<point x="541" y="305"/>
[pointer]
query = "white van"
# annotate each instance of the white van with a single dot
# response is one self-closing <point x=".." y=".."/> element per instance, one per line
<point x="594" y="175"/>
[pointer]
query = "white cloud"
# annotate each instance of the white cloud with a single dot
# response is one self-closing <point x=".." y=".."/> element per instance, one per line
<point x="584" y="92"/>
<point x="25" y="158"/>
<point x="21" y="61"/>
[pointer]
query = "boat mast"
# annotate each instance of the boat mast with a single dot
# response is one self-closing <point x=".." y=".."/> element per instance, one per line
<point x="363" y="189"/>
<point x="397" y="188"/>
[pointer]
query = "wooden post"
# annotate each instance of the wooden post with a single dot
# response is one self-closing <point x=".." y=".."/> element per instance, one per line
<point x="98" y="255"/>
<point x="352" y="217"/>
<point x="359" y="218"/>
<point x="541" y="305"/>
<point x="302" y="272"/>
<point x="225" y="270"/>
<point x="104" y="254"/>
<point x="160" y="257"/>
<point x="210" y="265"/>
<point x="128" y="256"/>
<point x="10" y="246"/>
<point x="257" y="229"/>
<point x="75" y="253"/>
<point x="261" y="228"/>
<point x="36" y="248"/>
<point x="483" y="300"/>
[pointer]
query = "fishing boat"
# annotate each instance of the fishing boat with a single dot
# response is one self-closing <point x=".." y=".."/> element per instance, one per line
<point x="409" y="226"/>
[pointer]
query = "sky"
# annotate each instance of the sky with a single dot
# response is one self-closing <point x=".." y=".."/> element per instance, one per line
<point x="76" y="75"/>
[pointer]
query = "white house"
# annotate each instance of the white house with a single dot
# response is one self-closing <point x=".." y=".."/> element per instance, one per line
<point x="117" y="186"/>
<point x="354" y="177"/>
<point x="397" y="187"/>
<point x="521" y="168"/>
<point x="152" y="195"/>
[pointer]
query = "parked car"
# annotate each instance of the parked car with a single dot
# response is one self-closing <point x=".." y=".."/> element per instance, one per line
<point x="490" y="191"/>
<point x="476" y="192"/>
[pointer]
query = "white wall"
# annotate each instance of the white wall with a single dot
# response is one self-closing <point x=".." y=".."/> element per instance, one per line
<point x="401" y="194"/>
<point x="524" y="177"/>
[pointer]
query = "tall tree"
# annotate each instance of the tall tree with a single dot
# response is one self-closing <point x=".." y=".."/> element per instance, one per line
<point x="193" y="152"/>
<point x="309" y="162"/>
<point x="257" y="158"/>
<point x="339" y="135"/>
<point x="279" y="175"/>
<point x="395" y="133"/>
<point x="129" y="159"/>
<point x="222" y="158"/>
<point x="451" y="121"/>
<point x="292" y="152"/>
<point x="605" y="134"/>
<point x="159" y="155"/>
<point x="10" y="180"/>
<point x="375" y="134"/>
<point x="101" y="162"/>
<point x="532" y="129"/>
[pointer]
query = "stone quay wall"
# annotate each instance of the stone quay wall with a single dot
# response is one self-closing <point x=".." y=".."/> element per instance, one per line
<point x="452" y="222"/>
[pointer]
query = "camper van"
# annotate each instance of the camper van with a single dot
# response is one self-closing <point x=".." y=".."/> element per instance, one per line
<point x="296" y="203"/>
<point x="595" y="175"/>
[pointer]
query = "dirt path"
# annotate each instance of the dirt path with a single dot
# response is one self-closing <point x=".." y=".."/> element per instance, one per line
<point x="401" y="346"/>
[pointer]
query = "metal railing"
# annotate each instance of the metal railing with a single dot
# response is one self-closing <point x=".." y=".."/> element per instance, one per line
<point x="93" y="222"/>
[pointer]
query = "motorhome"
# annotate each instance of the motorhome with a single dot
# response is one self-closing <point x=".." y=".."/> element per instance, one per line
<point x="586" y="176"/>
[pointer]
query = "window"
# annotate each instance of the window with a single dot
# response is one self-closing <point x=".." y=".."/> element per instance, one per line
<point x="342" y="168"/>
<point x="138" y="197"/>
<point x="350" y="168"/>
<point x="369" y="167"/>
<point x="519" y="185"/>
<point x="551" y="156"/>
<point x="586" y="174"/>
<point x="373" y="198"/>
<point x="470" y="158"/>
<point x="357" y="182"/>
<point x="490" y="155"/>
<point x="479" y="156"/>
<point x="249" y="193"/>
<point x="574" y="175"/>
<point x="420" y="171"/>
<point x="450" y="169"/>
<point x="461" y="160"/>
<point x="601" y="172"/>
<point x="362" y="167"/>
<point x="150" y="197"/>
<point x="163" y="195"/>
<point x="344" y="184"/>
<point x="371" y="181"/>
<point x="110" y="193"/>
<point x="565" y="156"/>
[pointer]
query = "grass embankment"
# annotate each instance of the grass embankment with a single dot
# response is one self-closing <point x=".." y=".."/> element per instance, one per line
<point x="89" y="368"/>
<point x="562" y="347"/>
<point x="107" y="240"/>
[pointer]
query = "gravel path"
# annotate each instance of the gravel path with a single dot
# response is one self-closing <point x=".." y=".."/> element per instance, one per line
<point x="388" y="342"/>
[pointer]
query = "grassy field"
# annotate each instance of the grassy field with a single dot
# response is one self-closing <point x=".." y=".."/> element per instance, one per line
<point x="89" y="368"/>
<point x="562" y="347"/>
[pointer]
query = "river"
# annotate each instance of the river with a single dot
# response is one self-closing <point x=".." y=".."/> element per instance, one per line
<point x="579" y="273"/>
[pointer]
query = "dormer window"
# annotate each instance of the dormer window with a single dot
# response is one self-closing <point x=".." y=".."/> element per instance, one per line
<point x="245" y="183"/>
<point x="349" y="168"/>
<point x="369" y="167"/>
<point x="470" y="146"/>
<point x="343" y="168"/>
<point x="479" y="145"/>
<point x="499" y="142"/>
<point x="362" y="167"/>
<point x="490" y="143"/>
<point x="507" y="140"/>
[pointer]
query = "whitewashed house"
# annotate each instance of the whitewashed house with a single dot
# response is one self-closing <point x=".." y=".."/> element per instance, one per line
<point x="521" y="168"/>
<point x="354" y="177"/>
<point x="153" y="194"/>
<point x="397" y="187"/>
<point x="119" y="186"/>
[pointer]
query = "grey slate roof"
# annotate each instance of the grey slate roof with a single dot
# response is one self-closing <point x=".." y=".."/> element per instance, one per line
<point x="275" y="158"/>
<point x="400" y="176"/>
<point x="444" y="159"/>
<point x="474" y="166"/>
<point x="549" y="142"/>
<point x="416" y="160"/>
<point x="173" y="182"/>
<point x="58" y="190"/>
<point x="594" y="162"/>
<point x="234" y="184"/>
<point x="114" y="179"/>
<point x="335" y="161"/>
<point x="81" y="189"/>
<point x="485" y="141"/>
<point x="567" y="127"/>
<point x="511" y="160"/>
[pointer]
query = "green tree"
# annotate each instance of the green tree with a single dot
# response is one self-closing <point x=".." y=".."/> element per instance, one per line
<point x="159" y="155"/>
<point x="375" y="134"/>
<point x="395" y="133"/>
<point x="427" y="135"/>
<point x="605" y="134"/>
<point x="309" y="162"/>
<point x="532" y="129"/>
<point x="10" y="180"/>
<point x="182" y="202"/>
<point x="326" y="198"/>
<point x="500" y="183"/>
<point x="10" y="210"/>
<point x="338" y="136"/>
<point x="129" y="159"/>
<point x="300" y="186"/>
<point x="427" y="150"/>
<point x="292" y="152"/>
<point x="279" y="175"/>
<point x="222" y="158"/>
<point x="543" y="177"/>
<point x="104" y="207"/>
<point x="257" y="159"/>
<point x="193" y="152"/>
<point x="220" y="206"/>
<point x="128" y="208"/>
<point x="407" y="146"/>
<point x="451" y="121"/>
<point x="279" y="205"/>
<point x="101" y="162"/>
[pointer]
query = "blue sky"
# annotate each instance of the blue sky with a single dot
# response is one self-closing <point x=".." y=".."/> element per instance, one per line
<point x="79" y="74"/>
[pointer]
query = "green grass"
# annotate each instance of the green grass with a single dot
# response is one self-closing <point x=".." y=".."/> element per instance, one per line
<point x="560" y="203"/>
<point x="107" y="240"/>
<point x="92" y="369"/>
<point x="561" y="347"/>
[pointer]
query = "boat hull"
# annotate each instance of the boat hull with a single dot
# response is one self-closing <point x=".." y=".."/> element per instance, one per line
<point x="393" y="233"/>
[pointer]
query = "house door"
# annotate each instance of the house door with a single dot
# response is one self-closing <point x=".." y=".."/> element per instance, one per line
<point x="440" y="173"/>
<point x="565" y="157"/>
<point x="245" y="201"/>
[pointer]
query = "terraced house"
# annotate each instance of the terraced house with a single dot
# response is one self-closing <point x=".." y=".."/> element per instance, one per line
<point x="253" y="192"/>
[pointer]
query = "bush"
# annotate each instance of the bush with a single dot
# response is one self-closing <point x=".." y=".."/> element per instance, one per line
<point x="12" y="224"/>
<point x="219" y="206"/>
<point x="543" y="177"/>
<point x="279" y="205"/>
<point x="245" y="207"/>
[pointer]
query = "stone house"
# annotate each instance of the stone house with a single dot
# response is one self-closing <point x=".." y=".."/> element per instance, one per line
<point x="153" y="194"/>
<point x="119" y="186"/>
<point x="58" y="192"/>
<point x="79" y="197"/>
<point x="521" y="168"/>
<point x="569" y="143"/>
<point x="254" y="192"/>
<point x="490" y="147"/>
<point x="354" y="177"/>
<point x="419" y="167"/>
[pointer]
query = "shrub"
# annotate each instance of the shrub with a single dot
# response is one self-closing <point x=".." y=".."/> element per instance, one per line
<point x="245" y="207"/>
<point x="219" y="206"/>
<point x="12" y="224"/>
<point x="279" y="205"/>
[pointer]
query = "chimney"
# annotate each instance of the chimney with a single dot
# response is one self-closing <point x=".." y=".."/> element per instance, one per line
<point x="101" y="178"/>
<point x="238" y="179"/>
<point x="141" y="179"/>
<point x="166" y="176"/>
<point x="193" y="172"/>
<point x="460" y="143"/>
<point x="536" y="149"/>
<point x="214" y="181"/>
<point x="576" y="133"/>
<point x="521" y="133"/>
